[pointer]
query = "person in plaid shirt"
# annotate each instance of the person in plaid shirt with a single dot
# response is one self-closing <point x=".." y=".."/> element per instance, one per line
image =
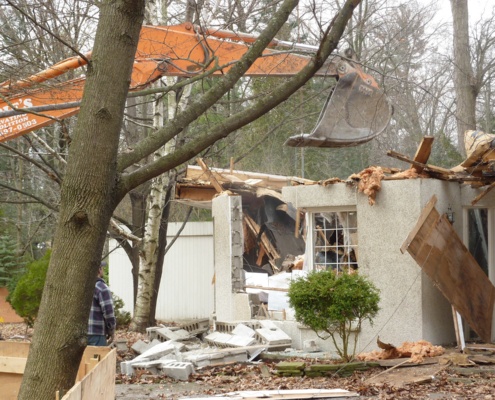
<point x="101" y="324"/>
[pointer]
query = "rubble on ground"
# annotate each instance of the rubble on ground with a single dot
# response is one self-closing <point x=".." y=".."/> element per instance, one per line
<point x="178" y="351"/>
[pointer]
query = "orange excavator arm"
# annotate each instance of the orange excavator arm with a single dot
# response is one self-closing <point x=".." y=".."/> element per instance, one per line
<point x="181" y="50"/>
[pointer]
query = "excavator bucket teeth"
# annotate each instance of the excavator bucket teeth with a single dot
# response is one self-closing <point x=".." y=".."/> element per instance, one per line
<point x="354" y="113"/>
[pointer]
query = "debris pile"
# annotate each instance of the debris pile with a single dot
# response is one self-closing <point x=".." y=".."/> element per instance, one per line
<point x="415" y="351"/>
<point x="178" y="351"/>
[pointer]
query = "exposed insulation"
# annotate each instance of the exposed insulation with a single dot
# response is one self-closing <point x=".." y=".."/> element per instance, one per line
<point x="416" y="351"/>
<point x="369" y="182"/>
<point x="410" y="173"/>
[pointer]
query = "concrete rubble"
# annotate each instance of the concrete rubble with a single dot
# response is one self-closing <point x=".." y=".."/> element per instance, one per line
<point x="178" y="351"/>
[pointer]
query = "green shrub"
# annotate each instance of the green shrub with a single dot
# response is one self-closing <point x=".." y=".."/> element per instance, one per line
<point x="123" y="317"/>
<point x="334" y="304"/>
<point x="26" y="297"/>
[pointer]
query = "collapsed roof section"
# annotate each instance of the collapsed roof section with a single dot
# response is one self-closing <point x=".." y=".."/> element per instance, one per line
<point x="271" y="226"/>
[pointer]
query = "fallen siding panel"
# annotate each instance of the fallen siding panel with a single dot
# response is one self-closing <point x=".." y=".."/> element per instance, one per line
<point x="438" y="250"/>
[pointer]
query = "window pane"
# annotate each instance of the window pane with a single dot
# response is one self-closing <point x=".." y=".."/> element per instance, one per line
<point x="478" y="236"/>
<point x="335" y="238"/>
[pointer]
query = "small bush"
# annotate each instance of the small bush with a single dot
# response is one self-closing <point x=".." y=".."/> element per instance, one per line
<point x="26" y="297"/>
<point x="334" y="304"/>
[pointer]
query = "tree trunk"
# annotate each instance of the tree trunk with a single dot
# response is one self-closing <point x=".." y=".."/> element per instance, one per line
<point x="87" y="203"/>
<point x="464" y="80"/>
<point x="162" y="243"/>
<point x="149" y="253"/>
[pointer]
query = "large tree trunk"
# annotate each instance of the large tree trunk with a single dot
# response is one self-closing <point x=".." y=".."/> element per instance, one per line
<point x="87" y="203"/>
<point x="464" y="80"/>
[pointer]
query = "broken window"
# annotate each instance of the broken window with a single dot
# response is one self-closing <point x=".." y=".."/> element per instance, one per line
<point x="335" y="241"/>
<point x="478" y="243"/>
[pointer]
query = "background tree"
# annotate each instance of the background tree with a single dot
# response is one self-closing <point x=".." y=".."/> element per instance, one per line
<point x="465" y="81"/>
<point x="9" y="261"/>
<point x="33" y="38"/>
<point x="92" y="188"/>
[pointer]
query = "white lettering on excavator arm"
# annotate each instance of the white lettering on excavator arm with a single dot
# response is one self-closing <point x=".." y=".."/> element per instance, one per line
<point x="17" y="122"/>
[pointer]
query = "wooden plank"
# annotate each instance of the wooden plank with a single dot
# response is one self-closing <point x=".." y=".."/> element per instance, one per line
<point x="9" y="386"/>
<point x="483" y="193"/>
<point x="14" y="349"/>
<point x="423" y="153"/>
<point x="298" y="223"/>
<point x="100" y="382"/>
<point x="427" y="167"/>
<point x="267" y="288"/>
<point x="267" y="180"/>
<point x="448" y="263"/>
<point x="261" y="254"/>
<point x="11" y="382"/>
<point x="194" y="193"/>
<point x="280" y="394"/>
<point x="13" y="357"/>
<point x="12" y="365"/>
<point x="218" y="187"/>
<point x="394" y="361"/>
<point x="255" y="228"/>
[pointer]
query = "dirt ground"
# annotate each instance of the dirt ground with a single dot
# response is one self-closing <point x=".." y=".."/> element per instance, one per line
<point x="452" y="376"/>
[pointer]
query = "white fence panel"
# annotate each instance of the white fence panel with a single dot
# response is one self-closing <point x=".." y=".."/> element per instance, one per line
<point x="186" y="288"/>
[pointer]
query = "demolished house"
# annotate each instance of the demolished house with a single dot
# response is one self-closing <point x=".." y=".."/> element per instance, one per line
<point x="422" y="235"/>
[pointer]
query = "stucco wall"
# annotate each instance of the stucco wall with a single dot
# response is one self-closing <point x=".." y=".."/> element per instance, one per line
<point x="411" y="307"/>
<point x="227" y="226"/>
<point x="382" y="228"/>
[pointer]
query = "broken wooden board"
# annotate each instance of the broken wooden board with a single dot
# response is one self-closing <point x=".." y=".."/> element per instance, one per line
<point x="276" y="182"/>
<point x="438" y="250"/>
<point x="401" y="377"/>
<point x="392" y="362"/>
<point x="281" y="394"/>
<point x="218" y="187"/>
<point x="423" y="153"/>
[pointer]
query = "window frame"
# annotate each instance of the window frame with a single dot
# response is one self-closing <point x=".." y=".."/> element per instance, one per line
<point x="490" y="239"/>
<point x="310" y="263"/>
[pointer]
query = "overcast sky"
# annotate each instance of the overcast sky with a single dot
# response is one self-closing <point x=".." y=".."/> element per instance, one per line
<point x="476" y="9"/>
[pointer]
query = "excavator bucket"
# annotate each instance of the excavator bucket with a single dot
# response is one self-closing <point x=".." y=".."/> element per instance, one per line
<point x="356" y="111"/>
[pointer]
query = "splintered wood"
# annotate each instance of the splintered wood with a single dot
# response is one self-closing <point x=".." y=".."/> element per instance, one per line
<point x="415" y="351"/>
<point x="369" y="182"/>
